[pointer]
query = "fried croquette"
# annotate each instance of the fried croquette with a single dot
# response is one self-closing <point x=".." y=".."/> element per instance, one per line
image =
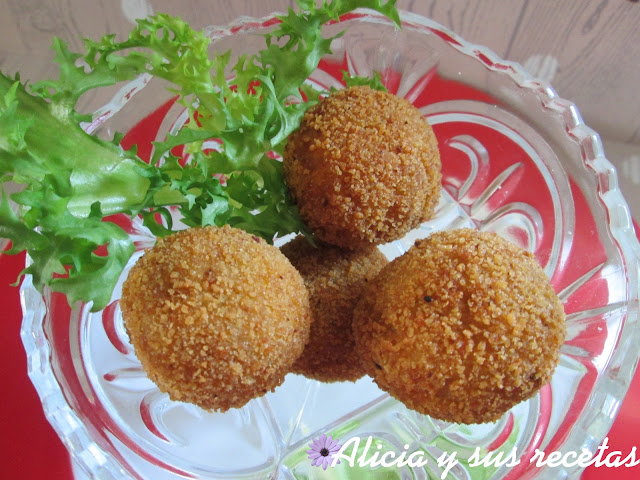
<point x="335" y="278"/>
<point x="363" y="168"/>
<point x="216" y="316"/>
<point x="462" y="327"/>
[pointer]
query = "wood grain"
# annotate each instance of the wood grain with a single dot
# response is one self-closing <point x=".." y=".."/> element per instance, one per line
<point x="598" y="51"/>
<point x="591" y="48"/>
<point x="492" y="23"/>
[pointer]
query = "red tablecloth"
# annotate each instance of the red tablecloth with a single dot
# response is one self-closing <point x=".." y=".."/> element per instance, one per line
<point x="29" y="447"/>
<point x="31" y="450"/>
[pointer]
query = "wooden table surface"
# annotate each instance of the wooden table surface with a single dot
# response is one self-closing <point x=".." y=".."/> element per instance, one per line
<point x="589" y="49"/>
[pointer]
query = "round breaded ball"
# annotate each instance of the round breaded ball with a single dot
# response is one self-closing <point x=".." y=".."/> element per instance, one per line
<point x="335" y="278"/>
<point x="216" y="316"/>
<point x="462" y="327"/>
<point x="363" y="168"/>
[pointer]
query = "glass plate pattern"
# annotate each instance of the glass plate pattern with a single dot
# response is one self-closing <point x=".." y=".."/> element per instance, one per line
<point x="517" y="160"/>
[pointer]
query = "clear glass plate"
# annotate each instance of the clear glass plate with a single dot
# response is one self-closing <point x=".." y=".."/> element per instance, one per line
<point x="517" y="160"/>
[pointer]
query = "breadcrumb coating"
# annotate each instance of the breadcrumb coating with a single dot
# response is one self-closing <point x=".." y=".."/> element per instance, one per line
<point x="216" y="316"/>
<point x="363" y="168"/>
<point x="462" y="327"/>
<point x="335" y="278"/>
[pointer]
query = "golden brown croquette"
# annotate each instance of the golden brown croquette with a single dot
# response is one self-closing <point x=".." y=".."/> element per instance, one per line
<point x="462" y="327"/>
<point x="363" y="168"/>
<point x="216" y="316"/>
<point x="335" y="278"/>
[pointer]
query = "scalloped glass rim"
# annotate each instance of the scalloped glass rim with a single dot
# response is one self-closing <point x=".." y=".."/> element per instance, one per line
<point x="611" y="385"/>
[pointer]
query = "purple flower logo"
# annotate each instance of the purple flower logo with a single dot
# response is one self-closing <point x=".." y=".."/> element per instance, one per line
<point x="322" y="451"/>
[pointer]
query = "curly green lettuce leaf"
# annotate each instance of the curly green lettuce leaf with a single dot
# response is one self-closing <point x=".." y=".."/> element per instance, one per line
<point x="71" y="180"/>
<point x="374" y="82"/>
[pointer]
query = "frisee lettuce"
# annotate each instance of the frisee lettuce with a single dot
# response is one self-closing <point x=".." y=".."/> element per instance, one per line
<point x="71" y="180"/>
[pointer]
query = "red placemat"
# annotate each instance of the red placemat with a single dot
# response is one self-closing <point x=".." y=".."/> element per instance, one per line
<point x="29" y="447"/>
<point x="623" y="436"/>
